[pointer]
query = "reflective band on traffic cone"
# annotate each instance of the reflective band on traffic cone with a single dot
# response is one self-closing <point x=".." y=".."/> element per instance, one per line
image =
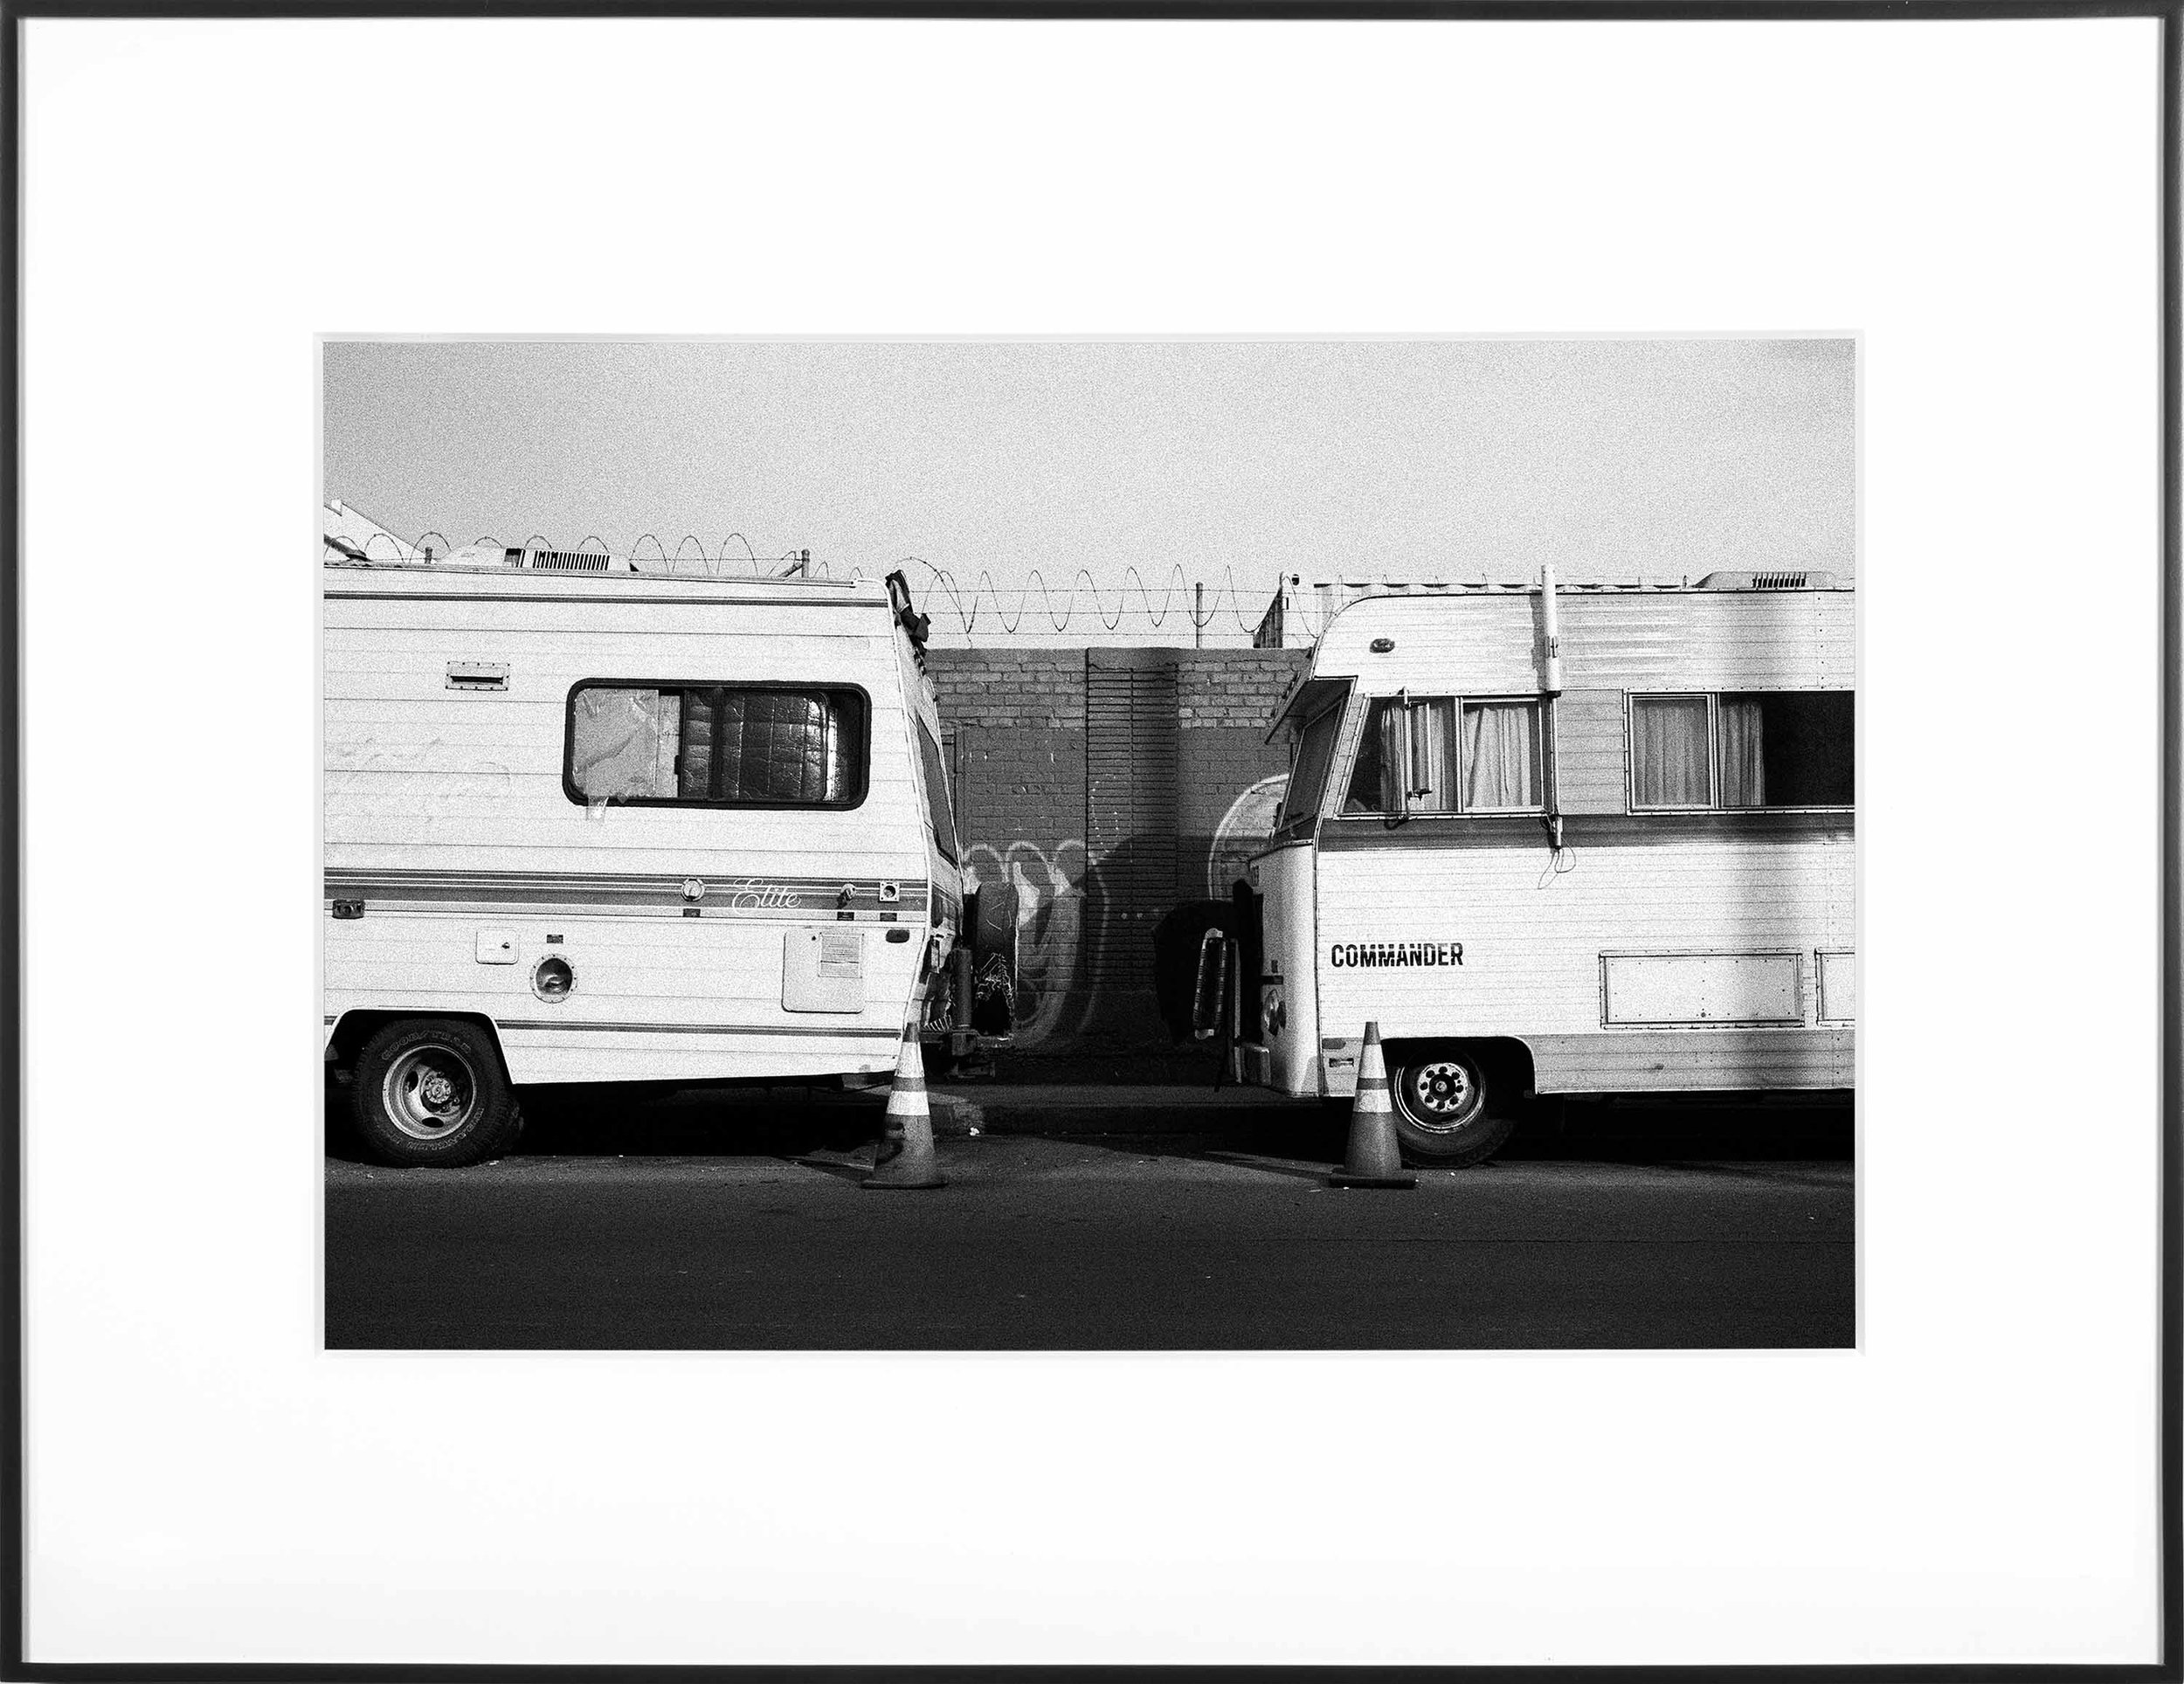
<point x="905" y="1158"/>
<point x="1376" y="1157"/>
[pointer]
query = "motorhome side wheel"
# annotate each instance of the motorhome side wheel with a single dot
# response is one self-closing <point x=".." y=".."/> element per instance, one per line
<point x="1445" y="1110"/>
<point x="430" y="1093"/>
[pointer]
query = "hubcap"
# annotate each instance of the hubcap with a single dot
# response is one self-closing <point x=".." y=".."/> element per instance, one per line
<point x="429" y="1092"/>
<point x="1442" y="1094"/>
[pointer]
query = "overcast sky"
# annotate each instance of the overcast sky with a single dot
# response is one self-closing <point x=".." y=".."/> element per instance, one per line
<point x="1613" y="459"/>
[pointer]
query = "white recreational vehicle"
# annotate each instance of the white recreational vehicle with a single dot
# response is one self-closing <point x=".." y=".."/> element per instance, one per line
<point x="588" y="823"/>
<point x="1591" y="841"/>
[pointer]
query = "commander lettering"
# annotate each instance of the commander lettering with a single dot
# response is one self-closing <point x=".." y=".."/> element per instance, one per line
<point x="1355" y="955"/>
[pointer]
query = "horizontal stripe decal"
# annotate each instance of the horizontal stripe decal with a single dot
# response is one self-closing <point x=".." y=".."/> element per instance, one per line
<point x="575" y="912"/>
<point x="1580" y="829"/>
<point x="805" y="896"/>
<point x="836" y="1031"/>
<point x="590" y="600"/>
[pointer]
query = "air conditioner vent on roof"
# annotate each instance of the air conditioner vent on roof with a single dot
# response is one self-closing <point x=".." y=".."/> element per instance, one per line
<point x="1775" y="581"/>
<point x="563" y="561"/>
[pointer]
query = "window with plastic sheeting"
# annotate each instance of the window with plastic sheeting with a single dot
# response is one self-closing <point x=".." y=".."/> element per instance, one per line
<point x="1482" y="757"/>
<point x="714" y="745"/>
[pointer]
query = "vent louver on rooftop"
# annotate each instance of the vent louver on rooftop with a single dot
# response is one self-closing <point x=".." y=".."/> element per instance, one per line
<point x="561" y="561"/>
<point x="1778" y="580"/>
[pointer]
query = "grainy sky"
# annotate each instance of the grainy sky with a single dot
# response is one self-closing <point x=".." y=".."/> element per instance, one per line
<point x="1230" y="461"/>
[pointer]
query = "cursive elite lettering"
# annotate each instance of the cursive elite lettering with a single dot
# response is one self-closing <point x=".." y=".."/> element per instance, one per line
<point x="752" y="895"/>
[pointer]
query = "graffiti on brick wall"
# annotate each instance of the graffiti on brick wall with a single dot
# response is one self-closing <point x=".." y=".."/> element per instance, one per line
<point x="1044" y="910"/>
<point x="1030" y="908"/>
<point x="1243" y="831"/>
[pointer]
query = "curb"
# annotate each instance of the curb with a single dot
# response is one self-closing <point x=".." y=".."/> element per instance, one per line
<point x="954" y="1118"/>
<point x="998" y="1113"/>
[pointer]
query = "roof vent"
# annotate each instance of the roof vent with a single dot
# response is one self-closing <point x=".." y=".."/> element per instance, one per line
<point x="1776" y="581"/>
<point x="561" y="561"/>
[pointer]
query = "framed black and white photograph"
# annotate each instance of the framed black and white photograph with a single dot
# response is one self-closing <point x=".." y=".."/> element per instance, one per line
<point x="1064" y="841"/>
<point x="1530" y="844"/>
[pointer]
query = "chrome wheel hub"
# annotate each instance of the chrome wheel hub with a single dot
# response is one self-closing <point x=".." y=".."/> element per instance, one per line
<point x="1443" y="1090"/>
<point x="429" y="1092"/>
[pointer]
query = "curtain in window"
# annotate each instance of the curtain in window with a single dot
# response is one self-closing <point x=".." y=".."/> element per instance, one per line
<point x="1744" y="779"/>
<point x="625" y="743"/>
<point x="1433" y="756"/>
<point x="1668" y="756"/>
<point x="1501" y="755"/>
<point x="1376" y="780"/>
<point x="1391" y="727"/>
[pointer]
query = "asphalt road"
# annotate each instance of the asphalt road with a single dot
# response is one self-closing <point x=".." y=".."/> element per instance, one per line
<point x="1173" y="1241"/>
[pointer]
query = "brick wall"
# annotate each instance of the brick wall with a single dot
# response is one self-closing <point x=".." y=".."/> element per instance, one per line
<point x="1085" y="834"/>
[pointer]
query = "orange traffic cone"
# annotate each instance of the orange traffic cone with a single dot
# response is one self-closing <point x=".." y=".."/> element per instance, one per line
<point x="1376" y="1157"/>
<point x="905" y="1158"/>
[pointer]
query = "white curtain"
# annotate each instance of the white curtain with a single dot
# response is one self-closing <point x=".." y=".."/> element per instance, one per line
<point x="624" y="743"/>
<point x="1376" y="772"/>
<point x="1668" y="751"/>
<point x="1501" y="755"/>
<point x="1434" y="757"/>
<point x="1744" y="778"/>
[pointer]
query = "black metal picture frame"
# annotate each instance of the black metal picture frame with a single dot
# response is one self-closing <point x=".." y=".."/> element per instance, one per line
<point x="19" y="1661"/>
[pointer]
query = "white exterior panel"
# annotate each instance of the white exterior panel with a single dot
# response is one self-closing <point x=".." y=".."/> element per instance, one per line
<point x="1838" y="987"/>
<point x="456" y="859"/>
<point x="1697" y="949"/>
<point x="1702" y="988"/>
<point x="1290" y="1009"/>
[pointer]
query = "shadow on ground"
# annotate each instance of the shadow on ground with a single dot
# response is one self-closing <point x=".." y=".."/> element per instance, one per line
<point x="784" y="1121"/>
<point x="790" y="1120"/>
<point x="1593" y="1134"/>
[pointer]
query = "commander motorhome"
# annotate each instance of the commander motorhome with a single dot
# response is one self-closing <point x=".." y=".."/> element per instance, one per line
<point x="586" y="824"/>
<point x="1588" y="841"/>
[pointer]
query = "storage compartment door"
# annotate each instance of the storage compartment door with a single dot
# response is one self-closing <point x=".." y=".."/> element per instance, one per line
<point x="823" y="971"/>
<point x="1701" y="988"/>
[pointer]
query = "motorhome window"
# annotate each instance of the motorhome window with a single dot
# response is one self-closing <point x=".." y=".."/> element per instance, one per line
<point x="1308" y="772"/>
<point x="1743" y="749"/>
<point x="1376" y="771"/>
<point x="715" y="745"/>
<point x="1671" y="762"/>
<point x="1500" y="756"/>
<point x="1465" y="757"/>
<point x="1435" y="775"/>
<point x="939" y="805"/>
<point x="1788" y="749"/>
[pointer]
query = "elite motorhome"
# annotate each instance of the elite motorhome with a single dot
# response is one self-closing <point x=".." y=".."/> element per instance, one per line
<point x="586" y="824"/>
<point x="1588" y="841"/>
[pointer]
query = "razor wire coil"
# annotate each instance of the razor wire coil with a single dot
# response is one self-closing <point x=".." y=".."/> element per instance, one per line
<point x="983" y="603"/>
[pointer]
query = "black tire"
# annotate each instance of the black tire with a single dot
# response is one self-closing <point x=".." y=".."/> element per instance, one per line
<point x="430" y="1094"/>
<point x="1451" y="1106"/>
